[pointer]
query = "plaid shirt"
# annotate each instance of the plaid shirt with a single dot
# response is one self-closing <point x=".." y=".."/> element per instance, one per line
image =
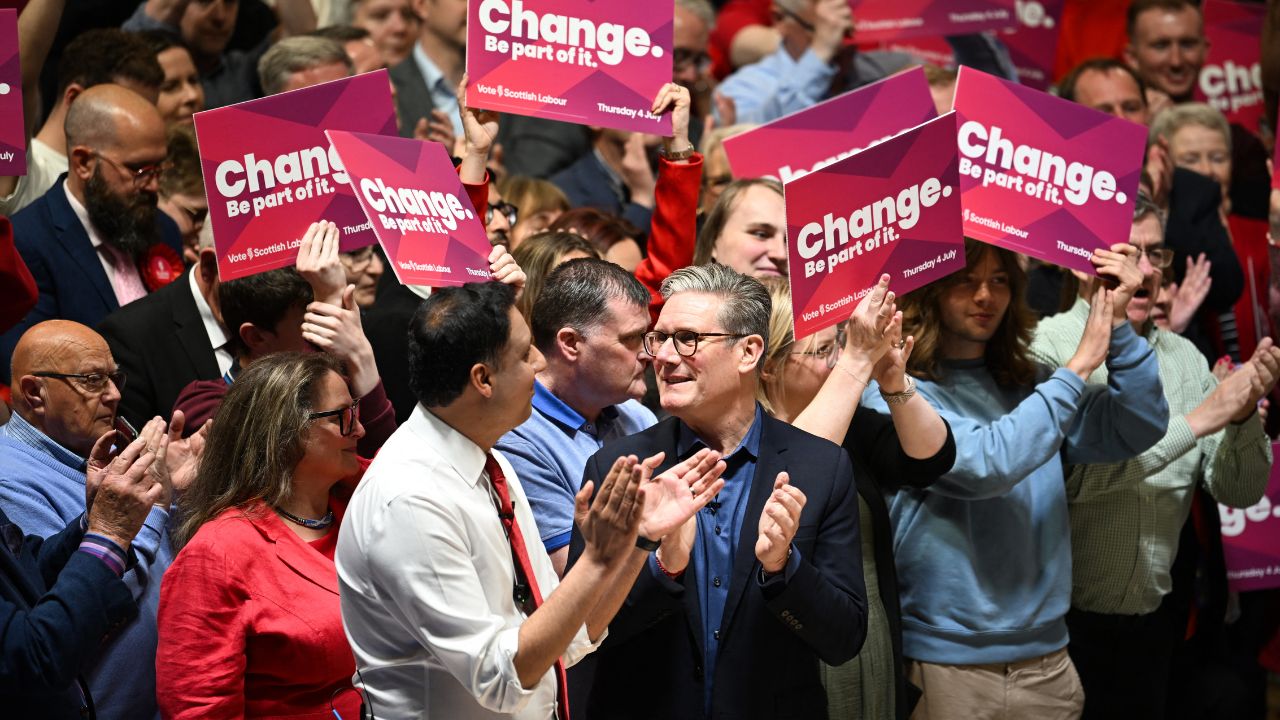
<point x="1126" y="517"/>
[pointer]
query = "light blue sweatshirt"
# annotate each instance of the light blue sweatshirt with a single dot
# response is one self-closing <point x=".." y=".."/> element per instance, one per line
<point x="984" y="554"/>
<point x="42" y="490"/>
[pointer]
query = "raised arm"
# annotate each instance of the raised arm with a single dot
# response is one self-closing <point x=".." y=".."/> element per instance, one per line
<point x="673" y="228"/>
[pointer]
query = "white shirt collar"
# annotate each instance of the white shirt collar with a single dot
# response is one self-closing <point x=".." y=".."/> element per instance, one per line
<point x="217" y="336"/>
<point x="78" y="208"/>
<point x="456" y="449"/>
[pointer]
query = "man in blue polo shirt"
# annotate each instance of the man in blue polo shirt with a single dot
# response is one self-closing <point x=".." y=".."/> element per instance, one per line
<point x="589" y="322"/>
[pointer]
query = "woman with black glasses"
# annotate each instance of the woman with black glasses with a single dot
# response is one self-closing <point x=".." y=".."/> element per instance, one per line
<point x="249" y="620"/>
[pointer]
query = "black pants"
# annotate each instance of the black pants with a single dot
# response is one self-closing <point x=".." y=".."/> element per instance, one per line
<point x="1123" y="662"/>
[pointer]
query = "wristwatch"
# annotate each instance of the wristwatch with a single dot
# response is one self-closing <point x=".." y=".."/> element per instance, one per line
<point x="646" y="544"/>
<point x="899" y="398"/>
<point x="674" y="155"/>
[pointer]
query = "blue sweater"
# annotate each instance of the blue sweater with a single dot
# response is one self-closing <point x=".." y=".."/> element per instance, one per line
<point x="984" y="554"/>
<point x="42" y="491"/>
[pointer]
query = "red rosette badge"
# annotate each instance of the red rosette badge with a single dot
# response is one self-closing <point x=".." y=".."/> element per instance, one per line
<point x="161" y="266"/>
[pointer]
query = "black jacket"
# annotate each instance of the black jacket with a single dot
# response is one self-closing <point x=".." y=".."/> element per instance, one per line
<point x="771" y="637"/>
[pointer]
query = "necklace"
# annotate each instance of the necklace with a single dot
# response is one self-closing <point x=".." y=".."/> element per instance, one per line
<point x="320" y="524"/>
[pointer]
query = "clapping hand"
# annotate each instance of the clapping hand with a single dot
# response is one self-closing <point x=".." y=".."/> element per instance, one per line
<point x="611" y="521"/>
<point x="778" y="524"/>
<point x="675" y="496"/>
<point x="119" y="489"/>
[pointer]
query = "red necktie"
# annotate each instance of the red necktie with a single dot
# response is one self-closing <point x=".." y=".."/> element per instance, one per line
<point x="524" y="569"/>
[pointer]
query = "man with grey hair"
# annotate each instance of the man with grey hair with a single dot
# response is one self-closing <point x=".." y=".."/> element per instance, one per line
<point x="96" y="240"/>
<point x="589" y="322"/>
<point x="1126" y="517"/>
<point x="302" y="61"/>
<point x="734" y="610"/>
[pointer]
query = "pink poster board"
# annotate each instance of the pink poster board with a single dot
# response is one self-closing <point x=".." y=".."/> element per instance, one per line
<point x="892" y="208"/>
<point x="881" y="20"/>
<point x="1231" y="79"/>
<point x="1032" y="44"/>
<point x="13" y="137"/>
<point x="269" y="171"/>
<point x="581" y="61"/>
<point x="796" y="145"/>
<point x="417" y="206"/>
<point x="1043" y="176"/>
<point x="1251" y="538"/>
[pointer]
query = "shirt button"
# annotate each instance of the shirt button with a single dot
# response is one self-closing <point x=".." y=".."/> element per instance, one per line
<point x="711" y="510"/>
<point x="715" y="581"/>
<point x="716" y="634"/>
<point x="717" y="529"/>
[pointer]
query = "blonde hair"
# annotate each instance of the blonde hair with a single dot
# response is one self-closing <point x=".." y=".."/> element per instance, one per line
<point x="781" y="339"/>
<point x="1170" y="120"/>
<point x="538" y="256"/>
<point x="719" y="216"/>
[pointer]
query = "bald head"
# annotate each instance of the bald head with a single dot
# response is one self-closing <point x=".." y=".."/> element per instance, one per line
<point x="107" y="117"/>
<point x="73" y="411"/>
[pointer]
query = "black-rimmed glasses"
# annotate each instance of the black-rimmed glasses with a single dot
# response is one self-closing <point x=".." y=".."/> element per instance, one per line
<point x="346" y="417"/>
<point x="94" y="382"/>
<point x="684" y="341"/>
<point x="1160" y="258"/>
<point x="509" y="211"/>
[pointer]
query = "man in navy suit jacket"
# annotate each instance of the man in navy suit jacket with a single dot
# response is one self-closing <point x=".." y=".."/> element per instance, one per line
<point x="61" y="596"/>
<point x="734" y="611"/>
<point x="85" y="239"/>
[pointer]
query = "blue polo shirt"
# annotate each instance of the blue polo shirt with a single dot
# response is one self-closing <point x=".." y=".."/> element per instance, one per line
<point x="550" y="450"/>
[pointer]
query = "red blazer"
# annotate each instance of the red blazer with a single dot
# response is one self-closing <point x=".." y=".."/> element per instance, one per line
<point x="250" y="625"/>
<point x="673" y="231"/>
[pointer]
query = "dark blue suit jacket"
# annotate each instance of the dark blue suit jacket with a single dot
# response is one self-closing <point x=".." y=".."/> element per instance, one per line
<point x="771" y="637"/>
<point x="587" y="184"/>
<point x="56" y="607"/>
<point x="66" y="267"/>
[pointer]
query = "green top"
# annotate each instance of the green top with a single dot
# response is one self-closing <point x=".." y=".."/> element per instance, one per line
<point x="1126" y="517"/>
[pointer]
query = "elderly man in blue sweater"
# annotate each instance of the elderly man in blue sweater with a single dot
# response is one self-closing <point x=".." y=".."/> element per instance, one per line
<point x="66" y="388"/>
<point x="984" y="554"/>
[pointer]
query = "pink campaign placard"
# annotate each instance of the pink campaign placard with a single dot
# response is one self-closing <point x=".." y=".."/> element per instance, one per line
<point x="419" y="210"/>
<point x="892" y="208"/>
<point x="13" y="138"/>
<point x="269" y="171"/>
<point x="881" y="20"/>
<point x="1043" y="176"/>
<point x="592" y="62"/>
<point x="1251" y="538"/>
<point x="1032" y="44"/>
<point x="1231" y="79"/>
<point x="796" y="145"/>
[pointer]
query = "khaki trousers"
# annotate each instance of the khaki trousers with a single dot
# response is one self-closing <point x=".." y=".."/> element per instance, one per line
<point x="1043" y="688"/>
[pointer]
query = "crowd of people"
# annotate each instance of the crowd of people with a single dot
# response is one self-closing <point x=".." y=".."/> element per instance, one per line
<point x="611" y="482"/>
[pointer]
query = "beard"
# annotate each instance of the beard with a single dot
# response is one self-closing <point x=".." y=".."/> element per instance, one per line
<point x="127" y="223"/>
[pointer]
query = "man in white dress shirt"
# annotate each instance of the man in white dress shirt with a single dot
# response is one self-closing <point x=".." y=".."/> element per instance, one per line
<point x="442" y="575"/>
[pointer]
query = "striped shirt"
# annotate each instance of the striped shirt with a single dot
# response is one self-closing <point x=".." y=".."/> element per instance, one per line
<point x="1126" y="517"/>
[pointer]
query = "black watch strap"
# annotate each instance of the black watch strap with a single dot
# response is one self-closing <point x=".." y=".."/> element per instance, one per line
<point x="646" y="544"/>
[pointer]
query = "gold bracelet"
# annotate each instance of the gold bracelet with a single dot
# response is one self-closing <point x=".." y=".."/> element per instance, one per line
<point x="849" y="372"/>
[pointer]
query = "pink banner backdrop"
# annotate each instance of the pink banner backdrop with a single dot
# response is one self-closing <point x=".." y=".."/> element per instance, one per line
<point x="418" y="208"/>
<point x="1032" y="44"/>
<point x="13" y="137"/>
<point x="892" y="208"/>
<point x="593" y="62"/>
<point x="1251" y="538"/>
<point x="1231" y="79"/>
<point x="881" y="20"/>
<point x="269" y="171"/>
<point x="796" y="145"/>
<point x="1041" y="175"/>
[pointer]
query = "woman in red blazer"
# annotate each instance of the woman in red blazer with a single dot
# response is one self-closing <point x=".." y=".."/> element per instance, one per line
<point x="249" y="621"/>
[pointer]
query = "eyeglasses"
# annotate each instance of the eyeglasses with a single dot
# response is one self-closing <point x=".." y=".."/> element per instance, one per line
<point x="1160" y="258"/>
<point x="197" y="215"/>
<point x="685" y="341"/>
<point x="93" y="383"/>
<point x="346" y="417"/>
<point x="357" y="261"/>
<point x="509" y="211"/>
<point x="804" y="24"/>
<point x="140" y="175"/>
<point x="829" y="353"/>
<point x="683" y="58"/>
